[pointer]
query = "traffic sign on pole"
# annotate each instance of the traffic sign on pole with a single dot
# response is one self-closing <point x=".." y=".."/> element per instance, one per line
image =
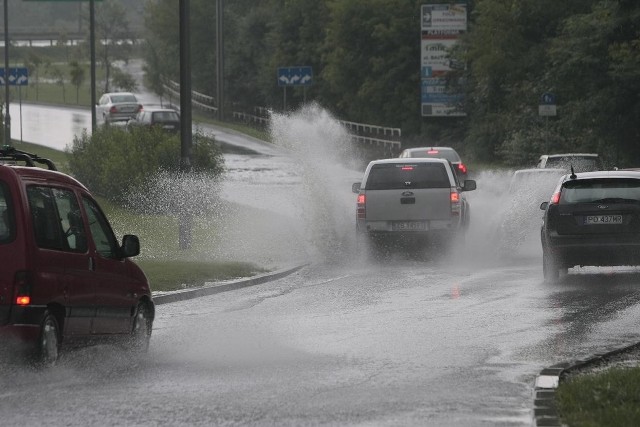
<point x="548" y="99"/>
<point x="18" y="76"/>
<point x="295" y="76"/>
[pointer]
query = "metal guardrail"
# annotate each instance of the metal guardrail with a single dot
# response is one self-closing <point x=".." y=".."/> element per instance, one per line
<point x="251" y="118"/>
<point x="364" y="133"/>
<point x="361" y="128"/>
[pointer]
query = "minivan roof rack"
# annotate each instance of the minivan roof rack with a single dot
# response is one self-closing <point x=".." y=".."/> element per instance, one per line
<point x="8" y="152"/>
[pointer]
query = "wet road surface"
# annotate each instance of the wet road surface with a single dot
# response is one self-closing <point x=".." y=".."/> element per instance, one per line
<point x="431" y="340"/>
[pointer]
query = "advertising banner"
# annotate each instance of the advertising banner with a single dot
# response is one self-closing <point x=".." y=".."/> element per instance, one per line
<point x="442" y="25"/>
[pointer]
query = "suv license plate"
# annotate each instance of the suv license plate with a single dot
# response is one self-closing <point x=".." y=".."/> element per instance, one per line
<point x="602" y="219"/>
<point x="409" y="226"/>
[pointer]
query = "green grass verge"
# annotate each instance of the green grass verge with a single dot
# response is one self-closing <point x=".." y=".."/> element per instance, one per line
<point x="607" y="398"/>
<point x="167" y="275"/>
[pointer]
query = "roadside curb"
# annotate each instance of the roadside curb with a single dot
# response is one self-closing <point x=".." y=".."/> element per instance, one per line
<point x="545" y="411"/>
<point x="224" y="286"/>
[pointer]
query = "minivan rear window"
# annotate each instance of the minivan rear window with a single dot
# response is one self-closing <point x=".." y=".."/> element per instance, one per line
<point x="601" y="191"/>
<point x="393" y="176"/>
<point x="7" y="221"/>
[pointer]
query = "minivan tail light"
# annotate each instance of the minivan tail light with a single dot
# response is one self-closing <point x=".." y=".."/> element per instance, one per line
<point x="361" y="210"/>
<point x="23" y="300"/>
<point x="22" y="288"/>
<point x="555" y="199"/>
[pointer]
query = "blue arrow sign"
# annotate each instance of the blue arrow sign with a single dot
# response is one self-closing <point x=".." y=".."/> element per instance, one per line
<point x="18" y="76"/>
<point x="295" y="76"/>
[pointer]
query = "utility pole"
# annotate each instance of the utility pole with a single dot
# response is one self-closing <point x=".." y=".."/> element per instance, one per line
<point x="185" y="116"/>
<point x="220" y="58"/>
<point x="92" y="42"/>
<point x="7" y="116"/>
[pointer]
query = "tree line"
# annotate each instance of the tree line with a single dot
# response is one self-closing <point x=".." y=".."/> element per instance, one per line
<point x="365" y="56"/>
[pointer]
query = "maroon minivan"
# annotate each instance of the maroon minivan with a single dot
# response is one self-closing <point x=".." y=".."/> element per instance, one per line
<point x="64" y="278"/>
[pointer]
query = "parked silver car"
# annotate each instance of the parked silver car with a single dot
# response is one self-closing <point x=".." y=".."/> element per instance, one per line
<point x="117" y="107"/>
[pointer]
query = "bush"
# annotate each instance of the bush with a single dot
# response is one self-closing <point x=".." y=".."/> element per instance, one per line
<point x="113" y="162"/>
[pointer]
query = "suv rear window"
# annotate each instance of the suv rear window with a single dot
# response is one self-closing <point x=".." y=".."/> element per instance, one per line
<point x="165" y="116"/>
<point x="601" y="191"/>
<point x="394" y="176"/>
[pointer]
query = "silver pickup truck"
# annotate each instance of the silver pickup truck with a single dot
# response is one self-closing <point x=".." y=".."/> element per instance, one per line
<point x="410" y="199"/>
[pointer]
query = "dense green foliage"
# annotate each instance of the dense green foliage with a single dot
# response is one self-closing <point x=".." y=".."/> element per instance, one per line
<point x="609" y="398"/>
<point x="366" y="60"/>
<point x="113" y="162"/>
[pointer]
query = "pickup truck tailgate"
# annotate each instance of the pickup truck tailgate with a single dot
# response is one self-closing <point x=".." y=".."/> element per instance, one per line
<point x="408" y="205"/>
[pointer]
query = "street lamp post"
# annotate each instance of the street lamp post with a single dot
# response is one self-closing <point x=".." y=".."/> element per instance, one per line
<point x="92" y="42"/>
<point x="7" y="116"/>
<point x="185" y="118"/>
<point x="220" y="58"/>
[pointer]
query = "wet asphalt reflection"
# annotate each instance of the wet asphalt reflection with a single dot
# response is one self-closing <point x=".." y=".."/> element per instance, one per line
<point x="432" y="340"/>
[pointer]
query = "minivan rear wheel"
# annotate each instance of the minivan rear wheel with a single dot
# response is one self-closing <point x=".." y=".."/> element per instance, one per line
<point x="48" y="346"/>
<point x="141" y="333"/>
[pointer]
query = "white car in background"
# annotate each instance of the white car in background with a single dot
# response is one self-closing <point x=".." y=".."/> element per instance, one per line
<point x="581" y="162"/>
<point x="519" y="217"/>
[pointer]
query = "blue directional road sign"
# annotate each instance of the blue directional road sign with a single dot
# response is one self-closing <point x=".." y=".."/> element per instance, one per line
<point x="295" y="76"/>
<point x="18" y="76"/>
<point x="548" y="99"/>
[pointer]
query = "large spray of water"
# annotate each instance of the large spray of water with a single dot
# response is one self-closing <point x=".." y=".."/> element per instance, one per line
<point x="269" y="209"/>
<point x="323" y="154"/>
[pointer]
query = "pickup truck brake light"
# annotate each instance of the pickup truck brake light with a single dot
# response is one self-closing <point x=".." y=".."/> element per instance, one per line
<point x="361" y="209"/>
<point x="455" y="202"/>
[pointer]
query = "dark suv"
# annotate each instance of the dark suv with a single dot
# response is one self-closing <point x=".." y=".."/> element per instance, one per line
<point x="593" y="218"/>
<point x="438" y="153"/>
<point x="64" y="278"/>
<point x="164" y="118"/>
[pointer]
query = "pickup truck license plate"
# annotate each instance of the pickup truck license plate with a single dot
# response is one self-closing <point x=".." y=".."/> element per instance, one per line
<point x="602" y="219"/>
<point x="408" y="226"/>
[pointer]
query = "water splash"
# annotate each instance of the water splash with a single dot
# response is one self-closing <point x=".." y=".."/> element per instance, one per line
<point x="323" y="154"/>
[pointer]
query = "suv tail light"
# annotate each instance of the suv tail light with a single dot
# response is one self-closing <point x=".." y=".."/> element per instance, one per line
<point x="462" y="168"/>
<point x="361" y="209"/>
<point x="555" y="199"/>
<point x="455" y="202"/>
<point x="22" y="288"/>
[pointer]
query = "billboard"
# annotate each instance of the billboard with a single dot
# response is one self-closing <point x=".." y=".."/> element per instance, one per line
<point x="441" y="25"/>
